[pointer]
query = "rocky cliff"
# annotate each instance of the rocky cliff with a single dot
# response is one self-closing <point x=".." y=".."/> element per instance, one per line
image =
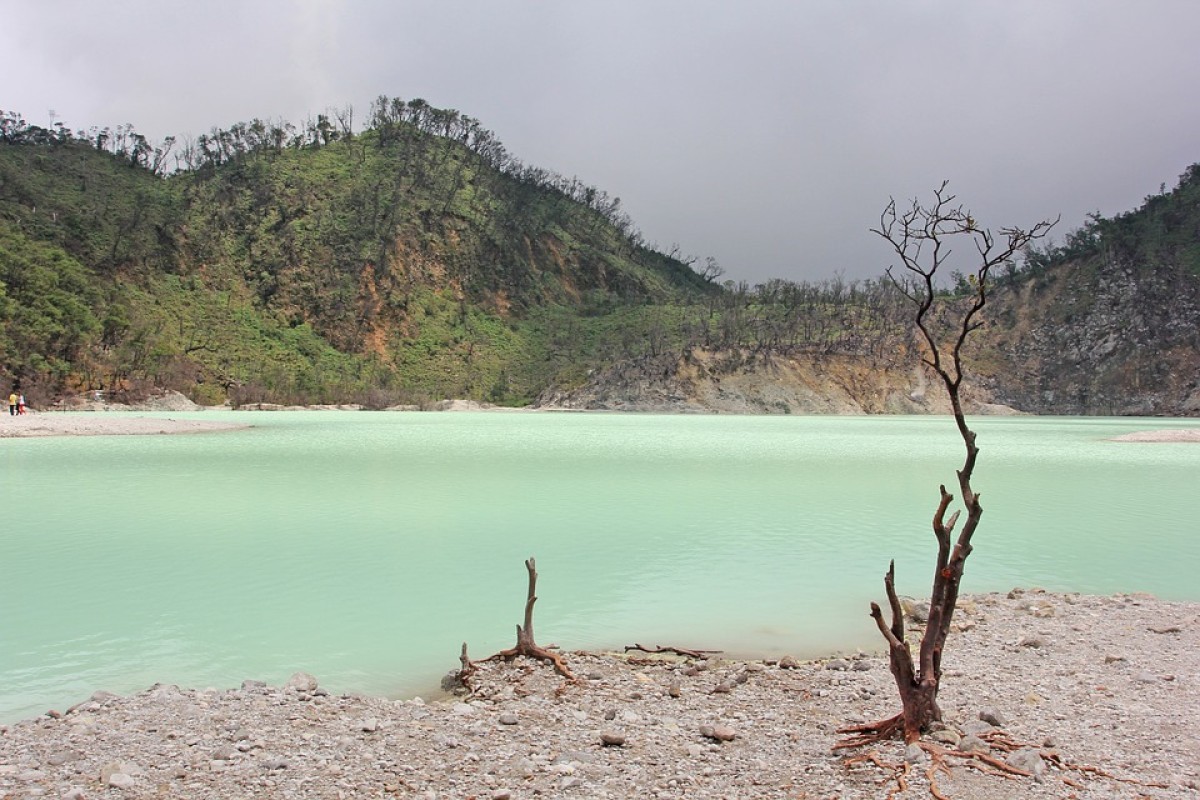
<point x="747" y="382"/>
<point x="1097" y="338"/>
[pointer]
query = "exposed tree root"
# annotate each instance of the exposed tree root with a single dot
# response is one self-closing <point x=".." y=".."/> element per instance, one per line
<point x="1002" y="741"/>
<point x="534" y="651"/>
<point x="998" y="766"/>
<point x="899" y="771"/>
<point x="937" y="764"/>
<point x="983" y="762"/>
<point x="872" y="732"/>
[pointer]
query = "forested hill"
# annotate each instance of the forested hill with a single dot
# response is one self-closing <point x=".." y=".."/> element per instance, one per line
<point x="417" y="259"/>
<point x="313" y="264"/>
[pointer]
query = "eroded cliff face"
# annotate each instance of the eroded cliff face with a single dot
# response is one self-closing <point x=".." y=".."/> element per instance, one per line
<point x="745" y="382"/>
<point x="1099" y="338"/>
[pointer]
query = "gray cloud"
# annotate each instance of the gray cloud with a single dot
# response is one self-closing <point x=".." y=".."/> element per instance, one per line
<point x="766" y="134"/>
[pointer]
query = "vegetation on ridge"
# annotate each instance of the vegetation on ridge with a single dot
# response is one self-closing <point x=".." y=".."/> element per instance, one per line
<point x="417" y="259"/>
<point x="414" y="259"/>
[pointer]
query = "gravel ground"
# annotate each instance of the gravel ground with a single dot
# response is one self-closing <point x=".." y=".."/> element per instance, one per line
<point x="1091" y="697"/>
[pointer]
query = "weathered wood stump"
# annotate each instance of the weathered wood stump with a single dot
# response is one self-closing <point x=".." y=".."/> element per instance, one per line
<point x="526" y="645"/>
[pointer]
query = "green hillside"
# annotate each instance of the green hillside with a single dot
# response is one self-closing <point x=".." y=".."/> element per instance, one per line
<point x="413" y="260"/>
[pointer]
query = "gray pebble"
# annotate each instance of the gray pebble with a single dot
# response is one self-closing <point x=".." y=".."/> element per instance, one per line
<point x="919" y="612"/>
<point x="993" y="717"/>
<point x="720" y="733"/>
<point x="946" y="737"/>
<point x="1028" y="760"/>
<point x="973" y="744"/>
<point x="119" y="780"/>
<point x="225" y="752"/>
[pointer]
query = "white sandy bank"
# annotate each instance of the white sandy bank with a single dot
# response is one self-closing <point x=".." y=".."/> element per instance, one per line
<point x="116" y="424"/>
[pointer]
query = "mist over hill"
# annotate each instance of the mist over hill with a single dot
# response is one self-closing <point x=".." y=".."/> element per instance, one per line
<point x="417" y="259"/>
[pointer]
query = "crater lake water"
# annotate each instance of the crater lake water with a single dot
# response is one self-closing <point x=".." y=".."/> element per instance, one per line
<point x="366" y="547"/>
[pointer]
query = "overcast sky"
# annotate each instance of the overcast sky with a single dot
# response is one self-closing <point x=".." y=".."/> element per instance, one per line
<point x="765" y="134"/>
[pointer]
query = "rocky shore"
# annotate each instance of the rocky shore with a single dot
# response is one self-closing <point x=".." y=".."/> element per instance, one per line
<point x="1045" y="696"/>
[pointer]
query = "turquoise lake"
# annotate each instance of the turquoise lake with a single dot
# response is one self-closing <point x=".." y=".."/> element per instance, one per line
<point x="366" y="547"/>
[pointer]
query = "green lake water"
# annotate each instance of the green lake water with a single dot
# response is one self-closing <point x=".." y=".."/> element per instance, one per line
<point x="366" y="547"/>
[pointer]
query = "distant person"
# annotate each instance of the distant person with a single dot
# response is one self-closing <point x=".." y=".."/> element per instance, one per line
<point x="12" y="404"/>
<point x="21" y="404"/>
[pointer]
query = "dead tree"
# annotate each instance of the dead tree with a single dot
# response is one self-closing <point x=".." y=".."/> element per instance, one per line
<point x="922" y="237"/>
<point x="526" y="645"/>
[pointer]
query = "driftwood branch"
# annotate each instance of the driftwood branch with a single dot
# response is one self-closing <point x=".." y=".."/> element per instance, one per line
<point x="679" y="651"/>
<point x="526" y="645"/>
<point x="467" y="670"/>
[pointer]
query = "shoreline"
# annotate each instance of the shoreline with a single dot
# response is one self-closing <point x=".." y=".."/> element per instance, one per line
<point x="125" y="421"/>
<point x="67" y="423"/>
<point x="1108" y="683"/>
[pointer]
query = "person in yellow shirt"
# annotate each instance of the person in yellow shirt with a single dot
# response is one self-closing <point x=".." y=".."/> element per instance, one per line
<point x="12" y="404"/>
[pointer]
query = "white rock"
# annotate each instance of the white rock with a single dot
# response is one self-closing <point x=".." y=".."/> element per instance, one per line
<point x="302" y="682"/>
<point x="119" y="780"/>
